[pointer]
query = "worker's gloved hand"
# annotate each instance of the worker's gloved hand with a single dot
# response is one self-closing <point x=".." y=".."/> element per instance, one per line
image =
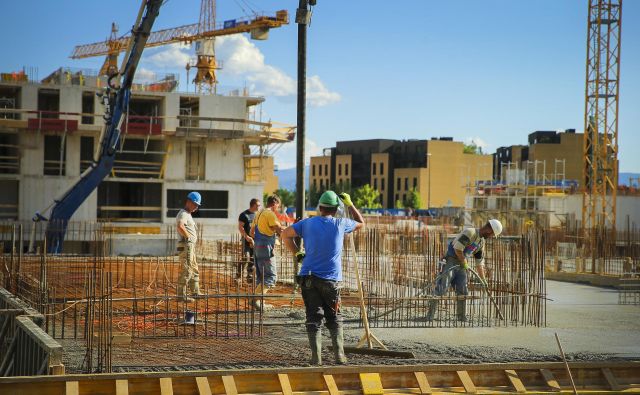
<point x="465" y="265"/>
<point x="300" y="256"/>
<point x="346" y="199"/>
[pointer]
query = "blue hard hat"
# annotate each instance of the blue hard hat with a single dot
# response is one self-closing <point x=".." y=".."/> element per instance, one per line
<point x="195" y="197"/>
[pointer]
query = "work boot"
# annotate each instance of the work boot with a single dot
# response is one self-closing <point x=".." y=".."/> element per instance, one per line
<point x="461" y="310"/>
<point x="431" y="311"/>
<point x="337" y="340"/>
<point x="196" y="288"/>
<point x="315" y="342"/>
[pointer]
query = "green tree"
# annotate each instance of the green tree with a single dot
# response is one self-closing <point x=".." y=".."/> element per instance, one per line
<point x="366" y="196"/>
<point x="472" y="148"/>
<point x="287" y="197"/>
<point x="413" y="200"/>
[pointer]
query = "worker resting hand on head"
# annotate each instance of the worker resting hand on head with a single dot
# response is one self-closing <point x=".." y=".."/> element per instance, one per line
<point x="264" y="229"/>
<point x="189" y="278"/>
<point x="321" y="270"/>
<point x="465" y="246"/>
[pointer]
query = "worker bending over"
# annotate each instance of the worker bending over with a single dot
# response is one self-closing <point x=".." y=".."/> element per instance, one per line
<point x="470" y="242"/>
<point x="189" y="278"/>
<point x="321" y="270"/>
<point x="264" y="229"/>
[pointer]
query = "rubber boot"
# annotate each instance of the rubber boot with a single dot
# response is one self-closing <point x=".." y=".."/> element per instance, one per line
<point x="315" y="342"/>
<point x="337" y="340"/>
<point x="461" y="310"/>
<point x="182" y="293"/>
<point x="431" y="311"/>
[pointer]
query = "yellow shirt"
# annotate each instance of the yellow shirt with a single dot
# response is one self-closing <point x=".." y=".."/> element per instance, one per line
<point x="265" y="220"/>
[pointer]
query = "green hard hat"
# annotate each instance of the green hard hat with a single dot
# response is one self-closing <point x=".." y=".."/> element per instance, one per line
<point x="329" y="199"/>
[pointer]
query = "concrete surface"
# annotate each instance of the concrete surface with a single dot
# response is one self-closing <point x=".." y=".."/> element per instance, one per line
<point x="588" y="320"/>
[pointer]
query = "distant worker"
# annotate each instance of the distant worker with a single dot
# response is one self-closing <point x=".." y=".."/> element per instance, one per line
<point x="264" y="229"/>
<point x="321" y="271"/>
<point x="454" y="271"/>
<point x="189" y="278"/>
<point x="244" y="226"/>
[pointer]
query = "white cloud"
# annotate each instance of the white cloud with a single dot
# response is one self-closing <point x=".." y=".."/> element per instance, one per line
<point x="479" y="142"/>
<point x="145" y="75"/>
<point x="172" y="56"/>
<point x="243" y="59"/>
<point x="285" y="157"/>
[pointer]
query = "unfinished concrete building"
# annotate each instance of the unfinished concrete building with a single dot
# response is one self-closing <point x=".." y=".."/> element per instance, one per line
<point x="172" y="142"/>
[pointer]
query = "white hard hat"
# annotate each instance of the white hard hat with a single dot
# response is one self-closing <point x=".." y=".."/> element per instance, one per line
<point x="496" y="226"/>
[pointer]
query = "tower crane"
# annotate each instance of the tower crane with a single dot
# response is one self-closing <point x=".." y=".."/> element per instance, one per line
<point x="202" y="33"/>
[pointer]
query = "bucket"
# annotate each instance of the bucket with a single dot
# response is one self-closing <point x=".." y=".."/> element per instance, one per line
<point x="189" y="317"/>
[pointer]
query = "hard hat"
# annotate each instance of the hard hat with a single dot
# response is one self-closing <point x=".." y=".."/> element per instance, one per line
<point x="496" y="226"/>
<point x="195" y="197"/>
<point x="329" y="199"/>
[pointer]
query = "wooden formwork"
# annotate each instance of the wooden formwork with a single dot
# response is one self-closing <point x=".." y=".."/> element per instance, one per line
<point x="546" y="377"/>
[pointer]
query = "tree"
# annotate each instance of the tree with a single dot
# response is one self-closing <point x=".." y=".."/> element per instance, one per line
<point x="287" y="197"/>
<point x="413" y="200"/>
<point x="472" y="148"/>
<point x="366" y="196"/>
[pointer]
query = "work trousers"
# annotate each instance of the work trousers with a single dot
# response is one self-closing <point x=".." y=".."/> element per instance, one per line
<point x="189" y="274"/>
<point x="453" y="274"/>
<point x="265" y="260"/>
<point x="248" y="263"/>
<point x="321" y="301"/>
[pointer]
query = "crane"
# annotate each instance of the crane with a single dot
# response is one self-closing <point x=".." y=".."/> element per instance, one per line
<point x="202" y="33"/>
<point x="600" y="148"/>
<point x="116" y="100"/>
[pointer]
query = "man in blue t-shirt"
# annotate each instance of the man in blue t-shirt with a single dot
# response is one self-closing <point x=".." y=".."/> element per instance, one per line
<point x="321" y="269"/>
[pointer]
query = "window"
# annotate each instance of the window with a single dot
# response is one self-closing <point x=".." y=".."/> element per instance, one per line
<point x="49" y="103"/>
<point x="346" y="169"/>
<point x="397" y="197"/>
<point x="313" y="170"/>
<point x="375" y="183"/>
<point x="55" y="155"/>
<point x="86" y="152"/>
<point x="9" y="154"/>
<point x="382" y="184"/>
<point x="215" y="204"/>
<point x="381" y="168"/>
<point x="88" y="101"/>
<point x="133" y="201"/>
<point x="319" y="170"/>
<point x="398" y="186"/>
<point x="321" y="183"/>
<point x="326" y="170"/>
<point x="315" y="185"/>
<point x="339" y="169"/>
<point x="415" y="182"/>
<point x="373" y="168"/>
<point x="406" y="183"/>
<point x="404" y="197"/>
<point x="9" y="199"/>
<point x="196" y="160"/>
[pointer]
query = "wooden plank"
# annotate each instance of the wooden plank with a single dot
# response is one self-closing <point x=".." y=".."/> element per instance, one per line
<point x="203" y="386"/>
<point x="330" y="382"/>
<point x="285" y="384"/>
<point x="613" y="383"/>
<point x="122" y="387"/>
<point x="550" y="379"/>
<point x="371" y="384"/>
<point x="423" y="383"/>
<point x="229" y="385"/>
<point x="72" y="388"/>
<point x="467" y="383"/>
<point x="166" y="386"/>
<point x="515" y="380"/>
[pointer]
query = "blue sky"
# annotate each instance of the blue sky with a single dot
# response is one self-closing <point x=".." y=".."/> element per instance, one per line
<point x="493" y="71"/>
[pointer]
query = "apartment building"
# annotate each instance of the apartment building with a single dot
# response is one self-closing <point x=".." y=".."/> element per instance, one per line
<point x="438" y="169"/>
<point x="171" y="143"/>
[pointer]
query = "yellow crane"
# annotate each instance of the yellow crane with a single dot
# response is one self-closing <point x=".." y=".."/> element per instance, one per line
<point x="202" y="33"/>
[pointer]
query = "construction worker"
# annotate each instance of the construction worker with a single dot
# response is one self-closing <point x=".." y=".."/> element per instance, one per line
<point x="188" y="279"/>
<point x="244" y="227"/>
<point x="470" y="242"/>
<point x="321" y="270"/>
<point x="264" y="229"/>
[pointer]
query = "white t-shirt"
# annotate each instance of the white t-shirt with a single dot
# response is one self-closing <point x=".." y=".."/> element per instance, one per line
<point x="186" y="219"/>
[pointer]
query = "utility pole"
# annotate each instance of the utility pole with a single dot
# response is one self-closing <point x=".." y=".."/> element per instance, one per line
<point x="303" y="16"/>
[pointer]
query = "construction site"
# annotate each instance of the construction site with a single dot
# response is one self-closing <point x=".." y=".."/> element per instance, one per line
<point x="95" y="166"/>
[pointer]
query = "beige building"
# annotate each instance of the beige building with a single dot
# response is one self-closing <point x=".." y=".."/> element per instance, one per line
<point x="438" y="169"/>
